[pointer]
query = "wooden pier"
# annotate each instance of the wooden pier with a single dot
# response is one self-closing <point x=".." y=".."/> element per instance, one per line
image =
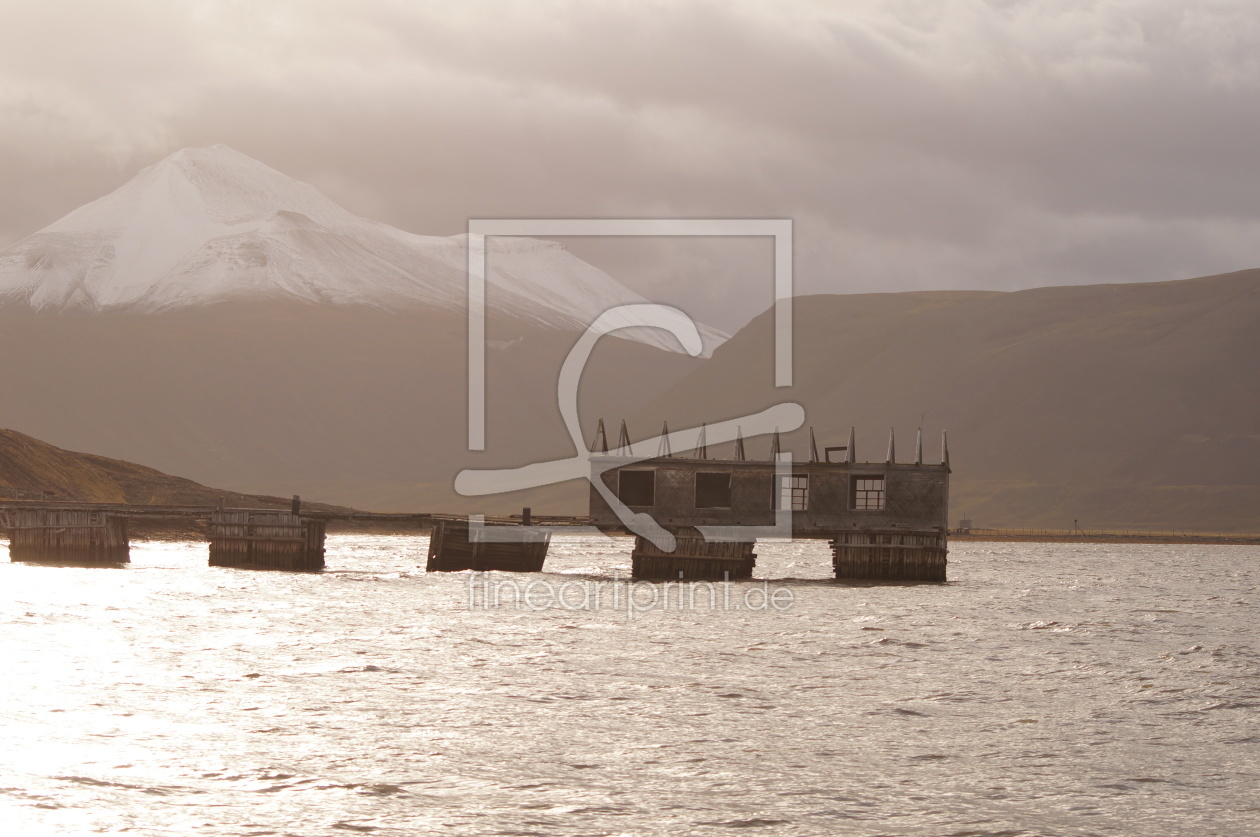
<point x="884" y="520"/>
<point x="69" y="536"/>
<point x="70" y="531"/>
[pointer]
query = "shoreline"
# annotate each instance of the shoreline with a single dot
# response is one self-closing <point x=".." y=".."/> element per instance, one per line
<point x="1206" y="540"/>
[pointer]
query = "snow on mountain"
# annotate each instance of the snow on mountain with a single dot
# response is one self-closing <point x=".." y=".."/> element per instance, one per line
<point x="211" y="224"/>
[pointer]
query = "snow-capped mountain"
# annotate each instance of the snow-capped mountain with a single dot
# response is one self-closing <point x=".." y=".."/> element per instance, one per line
<point x="211" y="224"/>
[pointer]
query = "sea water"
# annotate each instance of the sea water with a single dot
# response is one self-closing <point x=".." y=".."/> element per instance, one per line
<point x="1044" y="690"/>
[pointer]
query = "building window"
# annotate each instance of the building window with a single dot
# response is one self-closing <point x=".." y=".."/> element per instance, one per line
<point x="793" y="492"/>
<point x="868" y="493"/>
<point x="637" y="488"/>
<point x="713" y="491"/>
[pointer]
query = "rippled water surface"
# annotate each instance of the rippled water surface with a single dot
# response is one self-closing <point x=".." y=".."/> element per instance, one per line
<point x="1045" y="690"/>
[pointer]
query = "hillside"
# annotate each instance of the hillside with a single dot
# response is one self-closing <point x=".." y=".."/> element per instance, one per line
<point x="1115" y="405"/>
<point x="34" y="470"/>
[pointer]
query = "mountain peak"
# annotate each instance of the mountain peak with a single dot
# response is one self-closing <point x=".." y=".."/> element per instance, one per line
<point x="211" y="224"/>
<point x="215" y="185"/>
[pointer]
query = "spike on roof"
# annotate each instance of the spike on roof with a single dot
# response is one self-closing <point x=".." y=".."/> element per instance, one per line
<point x="599" y="444"/>
<point x="663" y="450"/>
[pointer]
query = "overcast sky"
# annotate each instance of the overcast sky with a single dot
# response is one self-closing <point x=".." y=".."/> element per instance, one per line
<point x="915" y="144"/>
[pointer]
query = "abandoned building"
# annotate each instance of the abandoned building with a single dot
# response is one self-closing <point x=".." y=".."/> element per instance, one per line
<point x="884" y="520"/>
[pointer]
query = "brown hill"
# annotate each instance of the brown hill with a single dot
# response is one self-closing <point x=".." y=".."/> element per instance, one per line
<point x="1115" y="405"/>
<point x="34" y="470"/>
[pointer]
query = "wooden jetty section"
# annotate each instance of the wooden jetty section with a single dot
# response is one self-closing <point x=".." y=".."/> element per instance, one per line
<point x="452" y="548"/>
<point x="69" y="536"/>
<point x="693" y="558"/>
<point x="266" y="540"/>
<point x="894" y="555"/>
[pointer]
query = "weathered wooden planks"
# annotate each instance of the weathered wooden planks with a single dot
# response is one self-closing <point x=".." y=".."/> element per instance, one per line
<point x="67" y="536"/>
<point x="693" y="558"/>
<point x="266" y="540"/>
<point x="890" y="555"/>
<point x="451" y="549"/>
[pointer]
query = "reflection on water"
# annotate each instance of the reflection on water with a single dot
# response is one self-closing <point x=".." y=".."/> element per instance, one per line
<point x="1047" y="689"/>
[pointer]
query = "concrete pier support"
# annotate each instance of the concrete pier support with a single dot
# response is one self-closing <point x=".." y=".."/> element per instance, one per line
<point x="67" y="536"/>
<point x="895" y="555"/>
<point x="451" y="549"/>
<point x="693" y="558"/>
<point x="266" y="540"/>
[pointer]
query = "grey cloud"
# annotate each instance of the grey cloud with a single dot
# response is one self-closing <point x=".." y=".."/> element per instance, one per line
<point x="945" y="144"/>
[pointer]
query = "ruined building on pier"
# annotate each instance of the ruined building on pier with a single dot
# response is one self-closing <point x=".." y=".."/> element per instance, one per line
<point x="884" y="520"/>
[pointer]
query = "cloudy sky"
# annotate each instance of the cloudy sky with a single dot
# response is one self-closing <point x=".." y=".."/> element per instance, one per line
<point x="915" y="143"/>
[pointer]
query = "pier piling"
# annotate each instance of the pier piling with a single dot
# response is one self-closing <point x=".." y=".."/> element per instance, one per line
<point x="693" y="558"/>
<point x="453" y="547"/>
<point x="266" y="540"/>
<point x="67" y="536"/>
<point x="889" y="555"/>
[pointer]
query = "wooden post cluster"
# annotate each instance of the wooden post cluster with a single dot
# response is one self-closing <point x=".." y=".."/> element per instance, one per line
<point x="889" y="555"/>
<point x="67" y="536"/>
<point x="693" y="558"/>
<point x="267" y="540"/>
<point x="451" y="549"/>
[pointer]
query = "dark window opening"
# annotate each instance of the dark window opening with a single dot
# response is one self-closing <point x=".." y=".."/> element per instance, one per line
<point x="793" y="493"/>
<point x="868" y="494"/>
<point x="713" y="491"/>
<point x="637" y="488"/>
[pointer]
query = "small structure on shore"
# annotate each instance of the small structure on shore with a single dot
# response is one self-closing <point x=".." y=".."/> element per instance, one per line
<point x="884" y="520"/>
